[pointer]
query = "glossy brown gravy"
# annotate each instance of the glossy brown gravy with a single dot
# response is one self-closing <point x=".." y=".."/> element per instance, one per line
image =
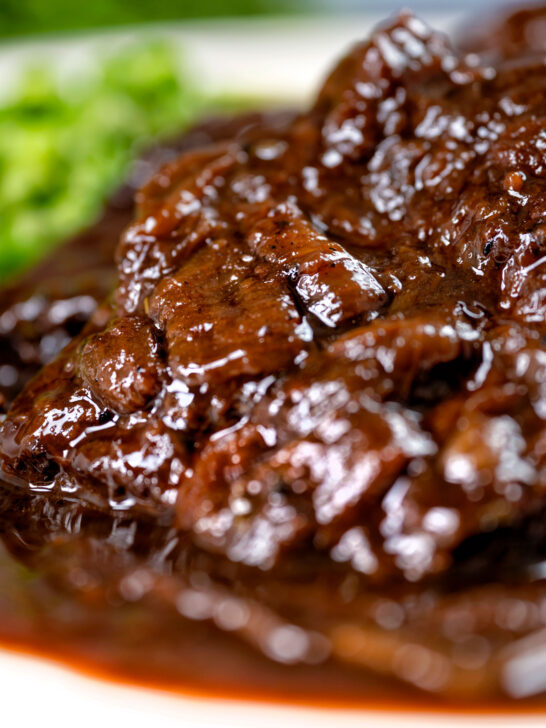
<point x="111" y="642"/>
<point x="201" y="662"/>
<point x="301" y="451"/>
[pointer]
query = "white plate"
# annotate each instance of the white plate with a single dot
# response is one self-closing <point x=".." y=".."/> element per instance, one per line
<point x="278" y="59"/>
<point x="46" y="695"/>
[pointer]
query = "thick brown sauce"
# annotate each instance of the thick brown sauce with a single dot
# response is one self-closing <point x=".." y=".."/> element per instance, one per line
<point x="301" y="452"/>
<point x="118" y="643"/>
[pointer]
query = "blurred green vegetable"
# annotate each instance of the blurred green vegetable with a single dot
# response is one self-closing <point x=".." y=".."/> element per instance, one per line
<point x="65" y="147"/>
<point x="36" y="16"/>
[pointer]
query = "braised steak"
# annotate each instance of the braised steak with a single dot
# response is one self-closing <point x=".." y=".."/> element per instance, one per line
<point x="322" y="373"/>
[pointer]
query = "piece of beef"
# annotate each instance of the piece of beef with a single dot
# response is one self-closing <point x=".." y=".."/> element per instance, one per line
<point x="287" y="383"/>
<point x="509" y="33"/>
<point x="52" y="302"/>
<point x="325" y="358"/>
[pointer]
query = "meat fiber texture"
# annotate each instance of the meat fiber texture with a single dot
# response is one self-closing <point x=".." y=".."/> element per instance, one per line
<point x="51" y="303"/>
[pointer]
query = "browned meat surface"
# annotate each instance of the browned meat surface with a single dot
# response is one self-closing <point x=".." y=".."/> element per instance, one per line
<point x="319" y="388"/>
<point x="51" y="303"/>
